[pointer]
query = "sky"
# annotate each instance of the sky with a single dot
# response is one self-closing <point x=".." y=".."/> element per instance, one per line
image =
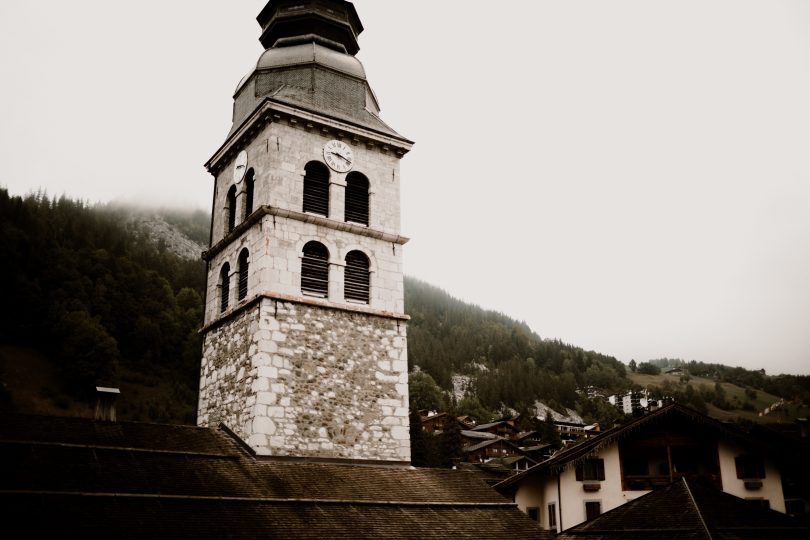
<point x="631" y="177"/>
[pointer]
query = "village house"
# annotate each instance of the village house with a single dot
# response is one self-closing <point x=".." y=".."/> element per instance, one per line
<point x="572" y="431"/>
<point x="581" y="482"/>
<point x="689" y="509"/>
<point x="432" y="422"/>
<point x="489" y="449"/>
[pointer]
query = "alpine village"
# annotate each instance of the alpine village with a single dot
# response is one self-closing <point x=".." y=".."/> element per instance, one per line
<point x="292" y="383"/>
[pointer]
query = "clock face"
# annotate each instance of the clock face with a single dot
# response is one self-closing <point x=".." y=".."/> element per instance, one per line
<point x="338" y="155"/>
<point x="239" y="167"/>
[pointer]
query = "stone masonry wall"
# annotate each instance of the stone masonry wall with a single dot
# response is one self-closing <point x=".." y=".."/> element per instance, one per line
<point x="300" y="380"/>
<point x="278" y="155"/>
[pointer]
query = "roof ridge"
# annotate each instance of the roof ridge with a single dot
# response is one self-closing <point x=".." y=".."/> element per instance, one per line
<point x="697" y="508"/>
<point x="361" y="502"/>
<point x="120" y="448"/>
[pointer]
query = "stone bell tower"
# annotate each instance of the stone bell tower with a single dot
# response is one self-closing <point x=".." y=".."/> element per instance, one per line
<point x="304" y="336"/>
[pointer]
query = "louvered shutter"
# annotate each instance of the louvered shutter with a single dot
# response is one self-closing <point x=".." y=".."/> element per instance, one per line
<point x="315" y="270"/>
<point x="316" y="189"/>
<point x="356" y="277"/>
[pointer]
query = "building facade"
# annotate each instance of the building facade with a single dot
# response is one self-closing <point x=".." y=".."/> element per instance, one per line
<point x="305" y="333"/>
<point x="600" y="474"/>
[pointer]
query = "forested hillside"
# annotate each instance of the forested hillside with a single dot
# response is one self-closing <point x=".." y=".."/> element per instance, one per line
<point x="507" y="364"/>
<point x="106" y="305"/>
<point x="91" y="297"/>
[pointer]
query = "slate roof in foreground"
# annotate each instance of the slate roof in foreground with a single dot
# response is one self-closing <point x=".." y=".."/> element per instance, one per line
<point x="689" y="509"/>
<point x="82" y="478"/>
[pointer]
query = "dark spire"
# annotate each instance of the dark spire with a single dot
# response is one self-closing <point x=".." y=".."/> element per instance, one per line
<point x="331" y="23"/>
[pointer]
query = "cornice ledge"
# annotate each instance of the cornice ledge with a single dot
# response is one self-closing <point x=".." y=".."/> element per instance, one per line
<point x="265" y="210"/>
<point x="272" y="110"/>
<point x="305" y="300"/>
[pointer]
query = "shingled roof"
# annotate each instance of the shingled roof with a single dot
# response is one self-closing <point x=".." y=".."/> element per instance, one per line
<point x="689" y="509"/>
<point x="84" y="478"/>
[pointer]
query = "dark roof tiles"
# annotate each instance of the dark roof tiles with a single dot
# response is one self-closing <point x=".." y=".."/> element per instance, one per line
<point x="689" y="509"/>
<point x="81" y="478"/>
<point x="137" y="435"/>
<point x="372" y="483"/>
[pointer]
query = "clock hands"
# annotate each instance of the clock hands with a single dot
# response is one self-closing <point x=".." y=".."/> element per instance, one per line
<point x="341" y="156"/>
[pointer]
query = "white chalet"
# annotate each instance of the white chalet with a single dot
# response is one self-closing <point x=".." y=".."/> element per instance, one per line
<point x="583" y="481"/>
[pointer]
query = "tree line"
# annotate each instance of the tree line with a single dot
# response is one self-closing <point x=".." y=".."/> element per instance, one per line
<point x="100" y="300"/>
<point x="509" y="365"/>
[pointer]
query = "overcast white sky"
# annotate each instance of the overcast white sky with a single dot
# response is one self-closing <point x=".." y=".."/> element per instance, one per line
<point x="632" y="177"/>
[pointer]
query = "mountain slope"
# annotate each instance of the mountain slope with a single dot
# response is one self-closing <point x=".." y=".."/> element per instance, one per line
<point x="97" y="294"/>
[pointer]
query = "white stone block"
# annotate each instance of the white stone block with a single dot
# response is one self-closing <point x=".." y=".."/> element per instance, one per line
<point x="400" y="433"/>
<point x="268" y="371"/>
<point x="275" y="412"/>
<point x="386" y="378"/>
<point x="390" y="402"/>
<point x="266" y="398"/>
<point x="263" y="424"/>
<point x="277" y="441"/>
<point x="260" y="385"/>
<point x="267" y="346"/>
<point x="257" y="440"/>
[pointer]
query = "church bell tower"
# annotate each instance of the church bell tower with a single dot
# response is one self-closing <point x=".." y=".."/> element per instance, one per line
<point x="304" y="348"/>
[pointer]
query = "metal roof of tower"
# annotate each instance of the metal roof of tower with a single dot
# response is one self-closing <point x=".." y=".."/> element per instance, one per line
<point x="331" y="23"/>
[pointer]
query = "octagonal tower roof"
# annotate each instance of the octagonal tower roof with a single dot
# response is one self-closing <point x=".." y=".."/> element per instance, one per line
<point x="331" y="23"/>
<point x="309" y="63"/>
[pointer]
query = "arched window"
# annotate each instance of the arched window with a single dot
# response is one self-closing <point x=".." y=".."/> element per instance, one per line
<point x="230" y="210"/>
<point x="315" y="270"/>
<point x="249" y="193"/>
<point x="224" y="287"/>
<point x="357" y="198"/>
<point x="316" y="188"/>
<point x="356" y="277"/>
<point x="244" y="262"/>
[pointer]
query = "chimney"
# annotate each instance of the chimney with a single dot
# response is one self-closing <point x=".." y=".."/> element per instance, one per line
<point x="105" y="403"/>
